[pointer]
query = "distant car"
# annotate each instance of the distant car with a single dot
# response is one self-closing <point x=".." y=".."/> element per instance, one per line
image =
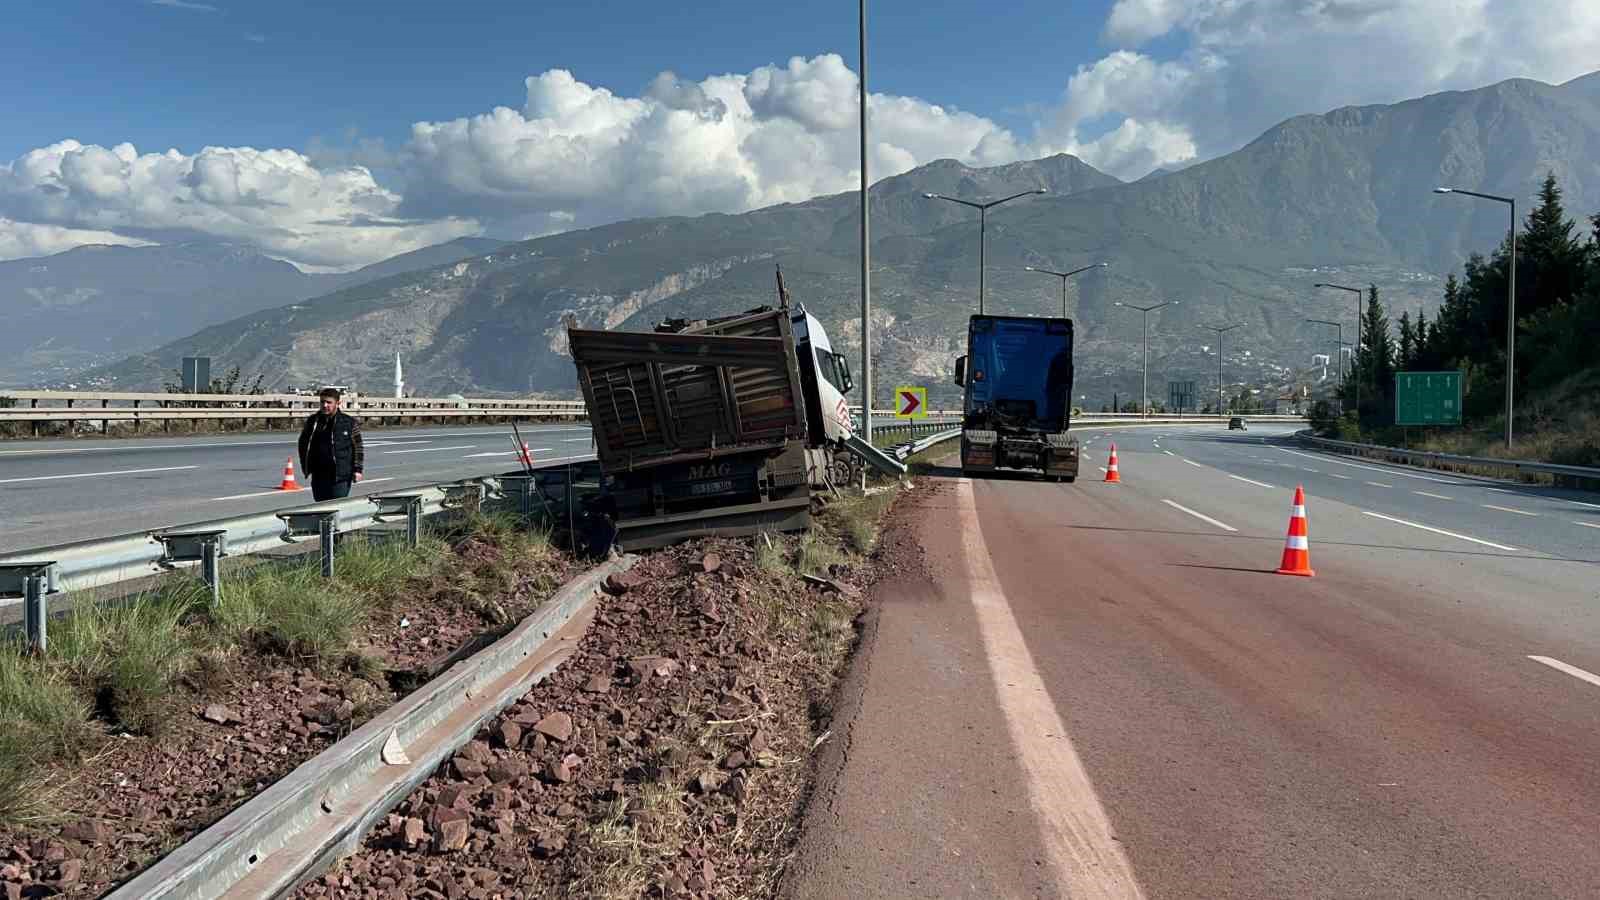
<point x="1236" y="424"/>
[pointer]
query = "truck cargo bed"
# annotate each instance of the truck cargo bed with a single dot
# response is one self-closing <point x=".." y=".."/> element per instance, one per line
<point x="712" y="389"/>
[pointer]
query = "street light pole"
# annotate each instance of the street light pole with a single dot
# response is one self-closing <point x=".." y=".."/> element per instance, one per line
<point x="983" y="209"/>
<point x="1220" y="330"/>
<point x="1339" y="349"/>
<point x="1511" y="299"/>
<point x="866" y="271"/>
<point x="1064" y="276"/>
<point x="1147" y="310"/>
<point x="1357" y="349"/>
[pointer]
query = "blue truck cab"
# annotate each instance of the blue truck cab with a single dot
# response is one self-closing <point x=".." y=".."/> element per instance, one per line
<point x="1017" y="410"/>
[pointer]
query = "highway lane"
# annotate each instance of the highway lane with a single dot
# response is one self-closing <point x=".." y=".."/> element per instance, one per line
<point x="1108" y="679"/>
<point x="53" y="492"/>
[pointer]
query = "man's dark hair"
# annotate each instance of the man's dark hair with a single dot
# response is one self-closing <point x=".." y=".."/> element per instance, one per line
<point x="328" y="394"/>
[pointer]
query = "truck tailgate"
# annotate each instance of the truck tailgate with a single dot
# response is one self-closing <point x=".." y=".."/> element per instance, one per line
<point x="658" y="397"/>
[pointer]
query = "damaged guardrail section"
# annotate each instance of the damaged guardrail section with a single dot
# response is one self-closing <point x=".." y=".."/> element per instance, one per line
<point x="319" y="812"/>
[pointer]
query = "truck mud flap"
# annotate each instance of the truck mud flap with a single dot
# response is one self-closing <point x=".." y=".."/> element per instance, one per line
<point x="874" y="457"/>
<point x="790" y="514"/>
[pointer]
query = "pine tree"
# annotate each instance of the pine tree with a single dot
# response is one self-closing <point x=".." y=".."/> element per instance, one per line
<point x="1550" y="258"/>
<point x="1375" y="364"/>
<point x="1408" y="342"/>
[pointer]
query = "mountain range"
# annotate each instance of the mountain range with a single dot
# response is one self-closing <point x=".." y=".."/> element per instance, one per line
<point x="1343" y="196"/>
<point x="97" y="304"/>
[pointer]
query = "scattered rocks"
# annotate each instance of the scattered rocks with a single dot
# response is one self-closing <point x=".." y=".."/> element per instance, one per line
<point x="688" y="637"/>
<point x="218" y="714"/>
<point x="413" y="832"/>
<point x="88" y="831"/>
<point x="510" y="735"/>
<point x="452" y="834"/>
<point x="557" y="726"/>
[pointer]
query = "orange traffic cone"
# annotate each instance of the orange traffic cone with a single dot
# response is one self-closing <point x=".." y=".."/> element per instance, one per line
<point x="1297" y="546"/>
<point x="1111" y="467"/>
<point x="288" y="476"/>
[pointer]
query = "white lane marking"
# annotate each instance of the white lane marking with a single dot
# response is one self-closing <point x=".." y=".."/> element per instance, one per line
<point x="434" y="449"/>
<point x="1574" y="671"/>
<point x="1380" y="484"/>
<point x="95" y="474"/>
<point x="1503" y="491"/>
<point x="1249" y="481"/>
<point x="1507" y="509"/>
<point x="582" y="440"/>
<point x="1201" y="516"/>
<point x="1193" y="463"/>
<point x="1311" y="470"/>
<point x="1340" y="462"/>
<point x="1102" y="468"/>
<point x="173" y="446"/>
<point x="303" y="487"/>
<point x="1169" y="453"/>
<point x="1440" y="531"/>
<point x="1084" y="855"/>
<point x="1579" y="503"/>
<point x="1586" y="524"/>
<point x="508" y="452"/>
<point x="1434" y="496"/>
<point x="395" y="443"/>
<point x="1338" y="476"/>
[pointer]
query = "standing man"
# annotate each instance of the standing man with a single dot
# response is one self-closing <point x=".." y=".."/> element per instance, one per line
<point x="330" y="449"/>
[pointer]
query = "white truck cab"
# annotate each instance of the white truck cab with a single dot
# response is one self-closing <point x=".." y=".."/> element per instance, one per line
<point x="829" y="372"/>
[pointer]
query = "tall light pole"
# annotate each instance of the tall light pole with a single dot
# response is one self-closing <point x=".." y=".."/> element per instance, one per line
<point x="1220" y="330"/>
<point x="983" y="210"/>
<point x="1354" y="371"/>
<point x="1064" y="276"/>
<point x="1338" y="351"/>
<point x="1511" y="299"/>
<point x="1145" y="390"/>
<point x="866" y="274"/>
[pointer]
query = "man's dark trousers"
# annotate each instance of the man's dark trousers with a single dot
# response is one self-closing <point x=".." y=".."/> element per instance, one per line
<point x="323" y="487"/>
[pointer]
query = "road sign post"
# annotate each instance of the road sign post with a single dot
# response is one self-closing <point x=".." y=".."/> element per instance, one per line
<point x="1427" y="398"/>
<point x="910" y="402"/>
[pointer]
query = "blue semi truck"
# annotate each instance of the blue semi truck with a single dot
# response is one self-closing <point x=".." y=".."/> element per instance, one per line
<point x="1018" y="404"/>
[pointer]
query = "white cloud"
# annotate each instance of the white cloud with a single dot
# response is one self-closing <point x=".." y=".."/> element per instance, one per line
<point x="575" y="154"/>
<point x="20" y="239"/>
<point x="726" y="143"/>
<point x="1248" y="64"/>
<point x="275" y="199"/>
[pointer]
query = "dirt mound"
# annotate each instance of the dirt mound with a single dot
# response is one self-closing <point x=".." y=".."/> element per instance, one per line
<point x="668" y="757"/>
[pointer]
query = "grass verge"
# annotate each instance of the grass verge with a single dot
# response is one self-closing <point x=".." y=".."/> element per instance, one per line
<point x="123" y="667"/>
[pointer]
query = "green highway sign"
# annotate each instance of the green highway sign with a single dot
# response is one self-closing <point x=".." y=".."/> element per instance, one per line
<point x="1427" y="398"/>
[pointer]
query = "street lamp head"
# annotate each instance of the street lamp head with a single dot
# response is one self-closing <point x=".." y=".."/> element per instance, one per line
<point x="930" y="196"/>
<point x="1444" y="190"/>
<point x="1103" y="265"/>
<point x="1119" y="303"/>
<point x="1029" y="269"/>
<point x="1042" y="191"/>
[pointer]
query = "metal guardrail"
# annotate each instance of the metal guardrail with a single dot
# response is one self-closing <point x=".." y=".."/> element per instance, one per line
<point x="912" y="448"/>
<point x="35" y="575"/>
<point x="1444" y="460"/>
<point x="64" y="406"/>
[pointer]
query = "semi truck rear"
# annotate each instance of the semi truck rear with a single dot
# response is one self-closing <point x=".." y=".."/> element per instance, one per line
<point x="1017" y="409"/>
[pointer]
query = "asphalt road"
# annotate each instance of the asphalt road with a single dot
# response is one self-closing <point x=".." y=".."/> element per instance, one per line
<point x="1103" y="690"/>
<point x="53" y="492"/>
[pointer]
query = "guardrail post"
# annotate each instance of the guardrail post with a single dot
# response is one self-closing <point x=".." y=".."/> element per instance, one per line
<point x="36" y="609"/>
<point x="210" y="569"/>
<point x="328" y="530"/>
<point x="413" y="525"/>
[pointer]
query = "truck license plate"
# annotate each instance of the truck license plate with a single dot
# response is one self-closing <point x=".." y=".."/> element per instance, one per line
<point x="702" y="488"/>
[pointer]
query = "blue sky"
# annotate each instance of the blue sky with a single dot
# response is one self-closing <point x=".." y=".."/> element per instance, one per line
<point x="336" y="134"/>
<point x="274" y="75"/>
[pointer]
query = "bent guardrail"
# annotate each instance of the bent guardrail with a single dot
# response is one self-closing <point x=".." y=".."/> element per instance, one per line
<point x="1437" y="460"/>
